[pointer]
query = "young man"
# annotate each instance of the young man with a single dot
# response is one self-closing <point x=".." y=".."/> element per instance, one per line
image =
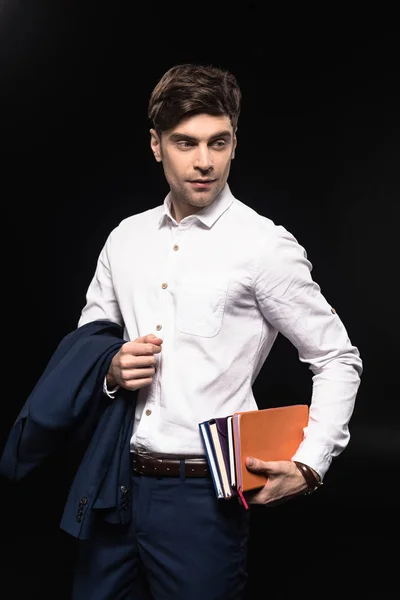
<point x="201" y="286"/>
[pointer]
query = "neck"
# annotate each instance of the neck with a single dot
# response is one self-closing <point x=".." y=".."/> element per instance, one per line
<point x="180" y="211"/>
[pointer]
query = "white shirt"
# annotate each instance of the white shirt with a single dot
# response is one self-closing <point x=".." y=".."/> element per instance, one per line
<point x="234" y="280"/>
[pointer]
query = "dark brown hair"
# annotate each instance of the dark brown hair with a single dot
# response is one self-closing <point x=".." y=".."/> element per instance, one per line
<point x="190" y="89"/>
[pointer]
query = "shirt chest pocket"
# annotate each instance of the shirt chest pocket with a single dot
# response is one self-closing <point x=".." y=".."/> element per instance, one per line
<point x="200" y="305"/>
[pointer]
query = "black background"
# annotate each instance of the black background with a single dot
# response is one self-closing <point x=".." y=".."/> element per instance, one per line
<point x="318" y="152"/>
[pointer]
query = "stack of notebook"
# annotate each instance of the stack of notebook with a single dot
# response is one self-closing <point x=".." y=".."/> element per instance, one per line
<point x="267" y="434"/>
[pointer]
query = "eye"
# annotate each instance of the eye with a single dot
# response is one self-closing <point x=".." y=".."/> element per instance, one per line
<point x="185" y="144"/>
<point x="219" y="143"/>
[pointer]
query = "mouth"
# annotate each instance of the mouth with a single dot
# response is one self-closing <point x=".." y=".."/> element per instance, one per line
<point x="202" y="183"/>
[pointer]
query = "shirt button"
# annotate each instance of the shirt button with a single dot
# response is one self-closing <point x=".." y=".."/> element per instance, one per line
<point x="158" y="327"/>
<point x="148" y="412"/>
<point x="164" y="286"/>
<point x="333" y="310"/>
<point x="175" y="247"/>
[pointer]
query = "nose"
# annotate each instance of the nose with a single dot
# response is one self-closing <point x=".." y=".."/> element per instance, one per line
<point x="203" y="159"/>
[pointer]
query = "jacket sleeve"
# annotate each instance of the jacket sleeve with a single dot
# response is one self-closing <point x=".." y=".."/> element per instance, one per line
<point x="65" y="399"/>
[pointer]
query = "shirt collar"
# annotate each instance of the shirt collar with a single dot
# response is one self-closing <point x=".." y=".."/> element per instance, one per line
<point x="208" y="215"/>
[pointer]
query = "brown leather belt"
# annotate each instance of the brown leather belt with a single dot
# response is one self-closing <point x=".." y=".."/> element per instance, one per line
<point x="170" y="467"/>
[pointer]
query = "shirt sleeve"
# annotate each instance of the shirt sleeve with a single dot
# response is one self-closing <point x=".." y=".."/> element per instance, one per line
<point x="293" y="304"/>
<point x="101" y="300"/>
<point x="109" y="393"/>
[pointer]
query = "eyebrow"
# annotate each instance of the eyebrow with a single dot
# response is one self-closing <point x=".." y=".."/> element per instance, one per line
<point x="183" y="136"/>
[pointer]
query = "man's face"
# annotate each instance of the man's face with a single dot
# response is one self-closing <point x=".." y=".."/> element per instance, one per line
<point x="196" y="156"/>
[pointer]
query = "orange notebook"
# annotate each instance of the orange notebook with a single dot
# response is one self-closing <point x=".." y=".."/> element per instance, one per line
<point x="267" y="434"/>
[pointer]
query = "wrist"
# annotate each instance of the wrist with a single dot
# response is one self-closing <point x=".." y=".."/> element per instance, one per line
<point x="111" y="381"/>
<point x="311" y="477"/>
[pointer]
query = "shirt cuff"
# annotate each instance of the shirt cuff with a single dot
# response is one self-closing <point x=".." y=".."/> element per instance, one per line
<point x="109" y="393"/>
<point x="316" y="458"/>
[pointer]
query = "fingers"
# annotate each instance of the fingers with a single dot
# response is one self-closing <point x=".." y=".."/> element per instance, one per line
<point x="140" y="348"/>
<point x="136" y="384"/>
<point x="127" y="362"/>
<point x="138" y="374"/>
<point x="133" y="367"/>
<point x="133" y="379"/>
<point x="141" y="362"/>
<point x="282" y="481"/>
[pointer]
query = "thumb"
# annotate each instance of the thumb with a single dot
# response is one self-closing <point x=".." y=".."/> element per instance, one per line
<point x="149" y="338"/>
<point x="254" y="464"/>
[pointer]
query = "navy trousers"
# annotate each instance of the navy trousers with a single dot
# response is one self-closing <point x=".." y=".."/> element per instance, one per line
<point x="183" y="544"/>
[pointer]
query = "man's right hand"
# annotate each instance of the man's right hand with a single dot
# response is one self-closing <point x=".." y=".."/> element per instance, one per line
<point x="133" y="366"/>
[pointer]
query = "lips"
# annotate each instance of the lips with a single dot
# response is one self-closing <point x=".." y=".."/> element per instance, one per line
<point x="202" y="180"/>
<point x="201" y="184"/>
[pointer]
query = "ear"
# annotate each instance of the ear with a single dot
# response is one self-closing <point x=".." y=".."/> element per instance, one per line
<point x="155" y="144"/>
<point x="234" y="145"/>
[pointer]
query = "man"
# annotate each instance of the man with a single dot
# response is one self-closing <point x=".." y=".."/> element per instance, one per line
<point x="201" y="286"/>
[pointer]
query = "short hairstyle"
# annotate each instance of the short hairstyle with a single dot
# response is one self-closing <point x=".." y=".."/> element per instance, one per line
<point x="190" y="89"/>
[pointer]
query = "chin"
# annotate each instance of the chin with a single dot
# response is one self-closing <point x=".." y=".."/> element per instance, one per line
<point x="202" y="198"/>
<point x="202" y="202"/>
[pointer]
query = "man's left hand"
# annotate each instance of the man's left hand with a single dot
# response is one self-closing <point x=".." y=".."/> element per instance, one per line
<point x="284" y="481"/>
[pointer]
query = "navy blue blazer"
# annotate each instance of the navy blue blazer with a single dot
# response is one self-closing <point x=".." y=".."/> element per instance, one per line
<point x="67" y="406"/>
